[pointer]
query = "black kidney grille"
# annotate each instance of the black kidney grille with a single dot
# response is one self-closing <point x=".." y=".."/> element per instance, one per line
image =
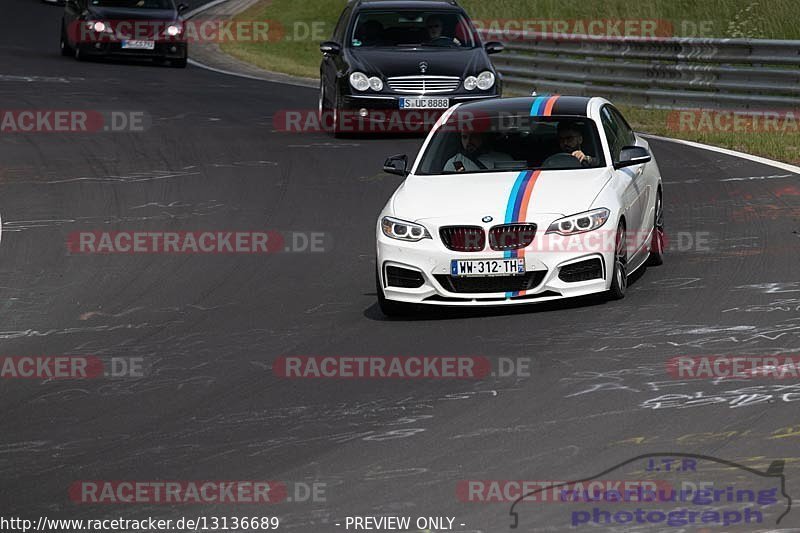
<point x="463" y="238"/>
<point x="511" y="236"/>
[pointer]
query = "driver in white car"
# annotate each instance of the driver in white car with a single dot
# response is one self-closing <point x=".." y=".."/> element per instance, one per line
<point x="570" y="140"/>
<point x="475" y="155"/>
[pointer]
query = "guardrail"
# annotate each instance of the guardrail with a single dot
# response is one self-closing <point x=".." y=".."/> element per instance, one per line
<point x="661" y="72"/>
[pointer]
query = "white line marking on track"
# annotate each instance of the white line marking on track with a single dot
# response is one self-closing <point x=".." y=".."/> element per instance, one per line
<point x="32" y="79"/>
<point x="761" y="177"/>
<point x="196" y="63"/>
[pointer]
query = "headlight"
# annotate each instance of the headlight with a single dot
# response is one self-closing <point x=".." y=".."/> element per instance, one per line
<point x="485" y="81"/>
<point x="174" y="30"/>
<point x="359" y="81"/>
<point x="375" y="83"/>
<point x="470" y="83"/>
<point x="98" y="26"/>
<point x="580" y="223"/>
<point x="395" y="228"/>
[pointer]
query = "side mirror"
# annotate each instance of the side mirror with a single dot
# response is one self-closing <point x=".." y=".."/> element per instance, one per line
<point x="632" y="155"/>
<point x="330" y="48"/>
<point x="397" y="164"/>
<point x="494" y="47"/>
<point x="182" y="7"/>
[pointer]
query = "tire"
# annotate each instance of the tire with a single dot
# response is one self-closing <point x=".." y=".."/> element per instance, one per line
<point x="619" y="274"/>
<point x="323" y="110"/>
<point x="390" y="308"/>
<point x="66" y="51"/>
<point x="80" y="56"/>
<point x="657" y="243"/>
<point x="336" y="129"/>
<point x="321" y="107"/>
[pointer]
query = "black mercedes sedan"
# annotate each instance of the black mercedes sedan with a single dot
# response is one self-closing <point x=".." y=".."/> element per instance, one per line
<point x="395" y="65"/>
<point x="125" y="28"/>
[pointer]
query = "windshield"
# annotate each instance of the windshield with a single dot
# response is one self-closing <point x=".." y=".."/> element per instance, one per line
<point x="412" y="29"/>
<point x="467" y="143"/>
<point x="135" y="4"/>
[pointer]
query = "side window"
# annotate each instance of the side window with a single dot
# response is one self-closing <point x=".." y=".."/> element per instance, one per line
<point x="626" y="134"/>
<point x="341" y="26"/>
<point x="612" y="133"/>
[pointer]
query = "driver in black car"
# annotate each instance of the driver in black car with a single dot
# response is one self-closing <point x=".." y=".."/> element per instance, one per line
<point x="570" y="140"/>
<point x="435" y="27"/>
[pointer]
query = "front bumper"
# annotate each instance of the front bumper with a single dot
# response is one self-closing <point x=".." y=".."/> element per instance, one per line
<point x="544" y="263"/>
<point x="371" y="111"/>
<point x="162" y="50"/>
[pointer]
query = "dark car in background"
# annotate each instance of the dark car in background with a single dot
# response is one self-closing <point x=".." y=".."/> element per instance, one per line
<point x="147" y="29"/>
<point x="412" y="57"/>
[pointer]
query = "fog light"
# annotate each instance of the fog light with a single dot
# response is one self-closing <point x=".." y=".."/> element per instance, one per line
<point x="173" y="49"/>
<point x="98" y="46"/>
<point x="363" y="112"/>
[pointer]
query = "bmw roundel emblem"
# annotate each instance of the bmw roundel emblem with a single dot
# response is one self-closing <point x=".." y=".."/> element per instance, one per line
<point x="487" y="219"/>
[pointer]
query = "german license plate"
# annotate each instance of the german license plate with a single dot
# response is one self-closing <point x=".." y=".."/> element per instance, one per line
<point x="487" y="267"/>
<point x="139" y="45"/>
<point x="424" y="103"/>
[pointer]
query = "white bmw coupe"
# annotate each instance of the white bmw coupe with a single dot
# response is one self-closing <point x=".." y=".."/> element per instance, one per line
<point x="520" y="200"/>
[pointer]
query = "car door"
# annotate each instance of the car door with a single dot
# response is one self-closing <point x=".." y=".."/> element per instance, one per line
<point x="619" y="135"/>
<point x="333" y="64"/>
<point x="643" y="182"/>
<point x="626" y="176"/>
<point x="647" y="178"/>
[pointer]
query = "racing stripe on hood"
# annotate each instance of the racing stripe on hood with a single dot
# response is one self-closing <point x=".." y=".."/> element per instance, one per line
<point x="517" y="209"/>
<point x="521" y="193"/>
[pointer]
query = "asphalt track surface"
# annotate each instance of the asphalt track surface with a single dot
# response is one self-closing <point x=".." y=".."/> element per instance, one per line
<point x="209" y="326"/>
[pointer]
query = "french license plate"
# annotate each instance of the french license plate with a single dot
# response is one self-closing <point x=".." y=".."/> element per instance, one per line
<point x="424" y="103"/>
<point x="139" y="45"/>
<point x="487" y="267"/>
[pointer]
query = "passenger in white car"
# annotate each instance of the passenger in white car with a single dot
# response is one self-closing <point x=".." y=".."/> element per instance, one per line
<point x="475" y="155"/>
